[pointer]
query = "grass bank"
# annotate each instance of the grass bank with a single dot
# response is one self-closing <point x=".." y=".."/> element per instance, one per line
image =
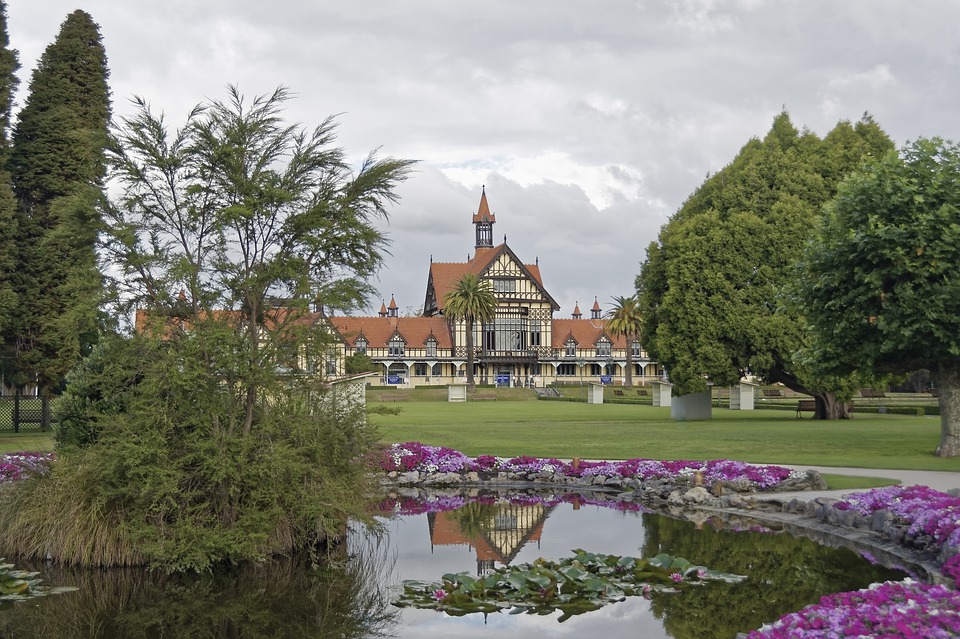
<point x="622" y="431"/>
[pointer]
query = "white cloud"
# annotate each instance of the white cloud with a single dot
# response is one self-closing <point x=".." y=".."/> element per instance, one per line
<point x="589" y="123"/>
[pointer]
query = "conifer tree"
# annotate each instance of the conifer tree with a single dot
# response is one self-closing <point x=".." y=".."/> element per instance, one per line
<point x="57" y="166"/>
<point x="8" y="84"/>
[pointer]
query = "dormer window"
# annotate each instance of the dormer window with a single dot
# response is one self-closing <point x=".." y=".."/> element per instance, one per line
<point x="361" y="346"/>
<point x="603" y="348"/>
<point x="571" y="347"/>
<point x="396" y="347"/>
<point x="431" y="347"/>
<point x="635" y="350"/>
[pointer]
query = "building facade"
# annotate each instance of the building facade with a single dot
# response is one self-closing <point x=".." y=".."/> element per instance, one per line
<point x="524" y="345"/>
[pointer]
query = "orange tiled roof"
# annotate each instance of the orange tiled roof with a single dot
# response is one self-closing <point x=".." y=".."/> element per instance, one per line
<point x="585" y="332"/>
<point x="379" y="330"/>
<point x="273" y="319"/>
<point x="444" y="275"/>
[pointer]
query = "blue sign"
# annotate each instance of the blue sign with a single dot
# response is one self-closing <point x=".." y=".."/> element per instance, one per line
<point x="503" y="380"/>
<point x="394" y="379"/>
<point x="605" y="379"/>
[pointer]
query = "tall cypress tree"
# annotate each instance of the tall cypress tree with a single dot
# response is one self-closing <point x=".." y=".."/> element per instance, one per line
<point x="57" y="165"/>
<point x="8" y="84"/>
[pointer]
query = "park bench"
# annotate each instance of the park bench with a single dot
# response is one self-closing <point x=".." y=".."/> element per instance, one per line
<point x="871" y="393"/>
<point x="618" y="393"/>
<point x="771" y="393"/>
<point x="642" y="393"/>
<point x="806" y="405"/>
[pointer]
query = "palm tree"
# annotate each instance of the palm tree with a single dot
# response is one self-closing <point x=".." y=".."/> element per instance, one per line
<point x="626" y="320"/>
<point x="471" y="300"/>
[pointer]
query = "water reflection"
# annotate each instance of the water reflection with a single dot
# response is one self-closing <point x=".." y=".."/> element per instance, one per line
<point x="785" y="573"/>
<point x="346" y="599"/>
<point x="349" y="597"/>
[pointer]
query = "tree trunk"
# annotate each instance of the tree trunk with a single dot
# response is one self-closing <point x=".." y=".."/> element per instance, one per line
<point x="829" y="407"/>
<point x="949" y="409"/>
<point x="45" y="409"/>
<point x="628" y="374"/>
<point x="471" y="383"/>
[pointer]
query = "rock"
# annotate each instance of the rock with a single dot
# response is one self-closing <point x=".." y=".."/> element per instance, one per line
<point x="697" y="495"/>
<point x="880" y="519"/>
<point x="411" y="477"/>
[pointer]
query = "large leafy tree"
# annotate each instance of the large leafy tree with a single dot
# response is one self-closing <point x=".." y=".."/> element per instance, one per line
<point x="471" y="300"/>
<point x="210" y="432"/>
<point x="625" y="319"/>
<point x="8" y="84"/>
<point x="712" y="287"/>
<point x="57" y="165"/>
<point x="880" y="284"/>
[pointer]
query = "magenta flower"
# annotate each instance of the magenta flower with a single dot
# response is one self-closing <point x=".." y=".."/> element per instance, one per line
<point x="439" y="594"/>
<point x="676" y="577"/>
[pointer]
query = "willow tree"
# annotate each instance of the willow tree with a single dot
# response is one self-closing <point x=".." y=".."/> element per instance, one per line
<point x="880" y="283"/>
<point x="712" y="287"/>
<point x="626" y="320"/>
<point x="208" y="427"/>
<point x="471" y="300"/>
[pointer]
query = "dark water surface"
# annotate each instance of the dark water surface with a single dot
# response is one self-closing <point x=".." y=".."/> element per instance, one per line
<point x="350" y="598"/>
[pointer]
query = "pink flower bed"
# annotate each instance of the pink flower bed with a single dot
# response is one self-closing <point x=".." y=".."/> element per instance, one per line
<point x="414" y="456"/>
<point x="891" y="610"/>
<point x="19" y="465"/>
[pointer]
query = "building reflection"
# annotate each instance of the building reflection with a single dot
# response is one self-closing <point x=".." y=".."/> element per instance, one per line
<point x="496" y="532"/>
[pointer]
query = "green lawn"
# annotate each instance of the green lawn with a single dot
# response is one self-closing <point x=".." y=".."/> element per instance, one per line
<point x="25" y="442"/>
<point x="621" y="431"/>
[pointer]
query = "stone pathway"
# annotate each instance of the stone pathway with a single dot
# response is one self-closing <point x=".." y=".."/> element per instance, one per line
<point x="938" y="480"/>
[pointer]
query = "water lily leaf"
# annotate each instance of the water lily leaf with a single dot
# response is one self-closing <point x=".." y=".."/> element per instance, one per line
<point x="540" y="580"/>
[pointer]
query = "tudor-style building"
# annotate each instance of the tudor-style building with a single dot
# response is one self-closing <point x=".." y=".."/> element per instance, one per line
<point x="523" y="344"/>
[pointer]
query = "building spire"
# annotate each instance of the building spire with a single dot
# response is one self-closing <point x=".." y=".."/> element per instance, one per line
<point x="483" y="221"/>
<point x="596" y="310"/>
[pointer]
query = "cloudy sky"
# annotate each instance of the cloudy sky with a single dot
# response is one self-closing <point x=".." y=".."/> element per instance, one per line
<point x="588" y="122"/>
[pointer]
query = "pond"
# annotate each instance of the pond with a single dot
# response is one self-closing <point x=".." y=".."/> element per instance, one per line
<point x="350" y="597"/>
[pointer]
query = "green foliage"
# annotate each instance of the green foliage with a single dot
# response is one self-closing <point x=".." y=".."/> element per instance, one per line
<point x="9" y="65"/>
<point x="626" y="319"/>
<point x="880" y="282"/>
<point x="358" y="363"/>
<point x="207" y="437"/>
<point x="345" y="599"/>
<point x="62" y="128"/>
<point x="573" y="585"/>
<point x="471" y="300"/>
<point x="18" y="585"/>
<point x="153" y="467"/>
<point x="712" y="287"/>
<point x="57" y="168"/>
